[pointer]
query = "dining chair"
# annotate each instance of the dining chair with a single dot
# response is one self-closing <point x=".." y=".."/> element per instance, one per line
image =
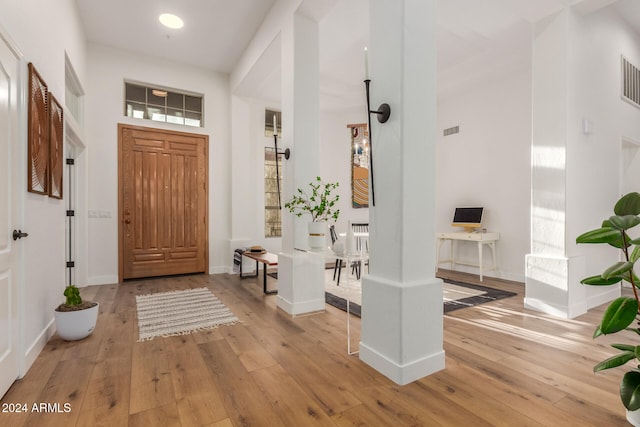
<point x="338" y="266"/>
<point x="361" y="231"/>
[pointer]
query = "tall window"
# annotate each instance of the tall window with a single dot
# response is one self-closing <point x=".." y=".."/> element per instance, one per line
<point x="162" y="105"/>
<point x="272" y="189"/>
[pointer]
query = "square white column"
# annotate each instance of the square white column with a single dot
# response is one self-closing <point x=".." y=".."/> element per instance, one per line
<point x="402" y="325"/>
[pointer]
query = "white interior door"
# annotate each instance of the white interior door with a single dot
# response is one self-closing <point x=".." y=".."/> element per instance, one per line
<point x="9" y="193"/>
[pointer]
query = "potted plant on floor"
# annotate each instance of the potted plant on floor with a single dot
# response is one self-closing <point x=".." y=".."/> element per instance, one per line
<point x="75" y="319"/>
<point x="320" y="203"/>
<point x="622" y="312"/>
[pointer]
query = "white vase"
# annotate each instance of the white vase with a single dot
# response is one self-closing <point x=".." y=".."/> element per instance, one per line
<point x="634" y="417"/>
<point x="317" y="239"/>
<point x="76" y="325"/>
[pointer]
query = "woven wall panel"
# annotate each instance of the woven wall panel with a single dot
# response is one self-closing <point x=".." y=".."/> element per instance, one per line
<point x="38" y="134"/>
<point x="56" y="135"/>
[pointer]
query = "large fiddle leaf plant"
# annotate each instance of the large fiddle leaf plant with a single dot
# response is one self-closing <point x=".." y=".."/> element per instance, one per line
<point x="622" y="313"/>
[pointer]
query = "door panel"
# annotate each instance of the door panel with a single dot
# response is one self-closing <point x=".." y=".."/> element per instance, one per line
<point x="163" y="202"/>
<point x="9" y="191"/>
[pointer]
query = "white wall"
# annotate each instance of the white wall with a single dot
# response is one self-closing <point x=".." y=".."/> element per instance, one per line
<point x="44" y="37"/>
<point x="488" y="164"/>
<point x="248" y="170"/>
<point x="593" y="160"/>
<point x="247" y="180"/>
<point x="335" y="160"/>
<point x="107" y="70"/>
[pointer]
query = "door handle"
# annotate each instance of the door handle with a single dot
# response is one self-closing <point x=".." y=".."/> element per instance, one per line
<point x="18" y="234"/>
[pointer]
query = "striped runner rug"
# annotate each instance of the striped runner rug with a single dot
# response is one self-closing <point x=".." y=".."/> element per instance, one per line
<point x="180" y="312"/>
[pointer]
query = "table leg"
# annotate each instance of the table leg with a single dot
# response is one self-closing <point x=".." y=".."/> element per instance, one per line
<point x="480" y="258"/>
<point x="349" y="352"/>
<point x="493" y="253"/>
<point x="453" y="262"/>
<point x="264" y="285"/>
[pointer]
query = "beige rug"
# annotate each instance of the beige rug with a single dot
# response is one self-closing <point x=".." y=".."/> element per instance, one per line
<point x="180" y="312"/>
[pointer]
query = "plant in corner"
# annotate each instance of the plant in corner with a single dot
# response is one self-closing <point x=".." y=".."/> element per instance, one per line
<point x="621" y="312"/>
<point x="320" y="203"/>
<point x="75" y="319"/>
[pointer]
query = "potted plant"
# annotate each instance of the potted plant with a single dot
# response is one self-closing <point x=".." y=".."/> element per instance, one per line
<point x="622" y="312"/>
<point x="320" y="204"/>
<point x="75" y="319"/>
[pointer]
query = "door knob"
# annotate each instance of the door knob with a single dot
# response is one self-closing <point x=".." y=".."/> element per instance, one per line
<point x="18" y="234"/>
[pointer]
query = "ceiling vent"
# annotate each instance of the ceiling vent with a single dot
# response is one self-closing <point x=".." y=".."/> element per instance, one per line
<point x="630" y="83"/>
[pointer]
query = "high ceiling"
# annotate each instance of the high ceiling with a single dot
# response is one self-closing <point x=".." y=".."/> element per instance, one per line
<point x="477" y="39"/>
<point x="215" y="34"/>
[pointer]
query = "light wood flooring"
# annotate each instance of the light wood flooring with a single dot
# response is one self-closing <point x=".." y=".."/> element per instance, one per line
<point x="505" y="366"/>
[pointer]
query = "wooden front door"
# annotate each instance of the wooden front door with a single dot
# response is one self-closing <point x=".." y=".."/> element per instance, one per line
<point x="162" y="209"/>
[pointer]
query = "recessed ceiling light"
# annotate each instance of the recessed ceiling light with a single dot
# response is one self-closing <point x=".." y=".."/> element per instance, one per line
<point x="170" y="20"/>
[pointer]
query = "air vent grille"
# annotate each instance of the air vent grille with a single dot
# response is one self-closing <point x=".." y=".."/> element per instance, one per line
<point x="630" y="82"/>
<point x="451" y="130"/>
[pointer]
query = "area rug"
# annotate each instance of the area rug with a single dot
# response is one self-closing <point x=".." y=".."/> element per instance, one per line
<point x="180" y="312"/>
<point x="456" y="295"/>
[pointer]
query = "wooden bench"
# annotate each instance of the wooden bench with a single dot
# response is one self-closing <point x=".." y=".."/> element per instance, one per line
<point x="267" y="259"/>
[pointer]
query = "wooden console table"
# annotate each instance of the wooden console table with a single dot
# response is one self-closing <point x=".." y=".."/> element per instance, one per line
<point x="267" y="259"/>
<point x="481" y="239"/>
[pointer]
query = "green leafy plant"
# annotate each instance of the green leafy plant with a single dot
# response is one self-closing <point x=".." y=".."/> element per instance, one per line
<point x="622" y="312"/>
<point x="72" y="293"/>
<point x="74" y="301"/>
<point x="320" y="203"/>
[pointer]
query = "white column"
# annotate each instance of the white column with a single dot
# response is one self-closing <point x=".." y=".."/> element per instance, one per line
<point x="402" y="327"/>
<point x="300" y="276"/>
<point x="243" y="220"/>
<point x="552" y="276"/>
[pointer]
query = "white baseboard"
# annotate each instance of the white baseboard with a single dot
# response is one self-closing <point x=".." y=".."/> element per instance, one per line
<point x="32" y="353"/>
<point x="102" y="280"/>
<point x="402" y="374"/>
<point x="218" y="269"/>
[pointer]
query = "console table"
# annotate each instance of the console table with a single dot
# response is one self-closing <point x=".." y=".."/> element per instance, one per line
<point x="481" y="239"/>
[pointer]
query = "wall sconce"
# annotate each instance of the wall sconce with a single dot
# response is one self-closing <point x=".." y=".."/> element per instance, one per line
<point x="286" y="153"/>
<point x="383" y="113"/>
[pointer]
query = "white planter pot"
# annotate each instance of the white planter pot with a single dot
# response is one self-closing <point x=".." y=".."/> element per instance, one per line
<point x="317" y="230"/>
<point x="634" y="417"/>
<point x="76" y="325"/>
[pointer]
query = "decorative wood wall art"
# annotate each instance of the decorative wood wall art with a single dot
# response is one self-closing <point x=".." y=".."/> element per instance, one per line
<point x="38" y="134"/>
<point x="359" y="165"/>
<point x="56" y="135"/>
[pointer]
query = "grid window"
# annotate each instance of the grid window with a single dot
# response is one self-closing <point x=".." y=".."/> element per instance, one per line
<point x="162" y="105"/>
<point x="272" y="194"/>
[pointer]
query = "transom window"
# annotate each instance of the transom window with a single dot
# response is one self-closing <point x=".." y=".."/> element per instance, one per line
<point x="162" y="105"/>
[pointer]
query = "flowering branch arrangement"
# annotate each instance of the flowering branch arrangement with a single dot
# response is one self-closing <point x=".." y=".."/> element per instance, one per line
<point x="320" y="203"/>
